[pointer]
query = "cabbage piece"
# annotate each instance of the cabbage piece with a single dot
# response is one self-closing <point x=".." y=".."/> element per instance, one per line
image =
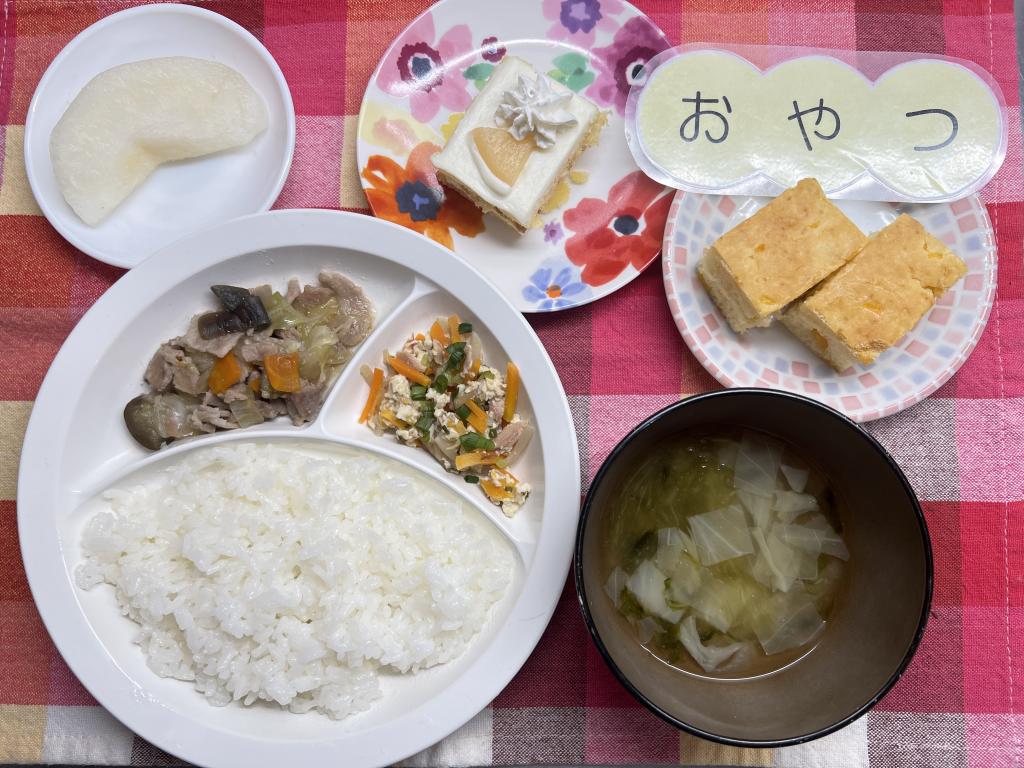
<point x="757" y="465"/>
<point x="721" y="535"/>
<point x="807" y="566"/>
<point x="796" y="477"/>
<point x="816" y="536"/>
<point x="709" y="657"/>
<point x="614" y="585"/>
<point x="759" y="507"/>
<point x="647" y="584"/>
<point x="727" y="452"/>
<point x="786" y="621"/>
<point x="646" y="629"/>
<point x="823" y="589"/>
<point x="790" y="505"/>
<point x="780" y="558"/>
<point x="683" y="582"/>
<point x="724" y="603"/>
<point x="673" y="543"/>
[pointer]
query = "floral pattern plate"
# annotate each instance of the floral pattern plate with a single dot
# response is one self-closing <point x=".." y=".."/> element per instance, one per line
<point x="916" y="366"/>
<point x="610" y="223"/>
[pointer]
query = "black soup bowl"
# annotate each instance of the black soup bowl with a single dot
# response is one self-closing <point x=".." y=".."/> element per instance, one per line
<point x="878" y="620"/>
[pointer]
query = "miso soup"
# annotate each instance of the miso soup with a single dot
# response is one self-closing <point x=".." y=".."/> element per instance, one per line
<point x="725" y="553"/>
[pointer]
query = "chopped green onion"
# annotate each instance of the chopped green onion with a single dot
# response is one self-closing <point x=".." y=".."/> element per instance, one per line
<point x="418" y="392"/>
<point x="462" y="412"/>
<point x="471" y="478"/>
<point x="425" y="421"/>
<point x="502" y="463"/>
<point x="488" y="445"/>
<point x="440" y="383"/>
<point x="486" y="375"/>
<point x="471" y="441"/>
<point x="465" y="327"/>
<point x="492" y="432"/>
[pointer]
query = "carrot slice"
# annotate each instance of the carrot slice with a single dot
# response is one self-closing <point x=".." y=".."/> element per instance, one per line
<point x="226" y="372"/>
<point x="479" y="458"/>
<point x="283" y="372"/>
<point x="511" y="391"/>
<point x="477" y="418"/>
<point x="376" y="387"/>
<point x="453" y="328"/>
<point x="408" y="371"/>
<point x="475" y="368"/>
<point x="437" y="334"/>
<point x="254" y="385"/>
<point x="494" y="492"/>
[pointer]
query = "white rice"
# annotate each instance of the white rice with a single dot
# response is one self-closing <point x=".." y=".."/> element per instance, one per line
<point x="262" y="572"/>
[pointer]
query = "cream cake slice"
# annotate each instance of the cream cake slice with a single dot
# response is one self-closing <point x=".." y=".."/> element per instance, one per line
<point x="877" y="297"/>
<point x="777" y="255"/>
<point x="518" y="139"/>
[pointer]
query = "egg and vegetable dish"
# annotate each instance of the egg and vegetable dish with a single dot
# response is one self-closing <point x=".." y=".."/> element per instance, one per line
<point x="437" y="392"/>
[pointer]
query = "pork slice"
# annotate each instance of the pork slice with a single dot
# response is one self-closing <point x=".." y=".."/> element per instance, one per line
<point x="312" y="297"/>
<point x="235" y="393"/>
<point x="160" y="371"/>
<point x="305" y="404"/>
<point x="255" y="348"/>
<point x="271" y="409"/>
<point x="356" y="308"/>
<point x="510" y="435"/>
<point x="209" y="418"/>
<point x="217" y="347"/>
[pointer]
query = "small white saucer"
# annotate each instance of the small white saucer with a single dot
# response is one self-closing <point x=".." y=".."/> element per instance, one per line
<point x="178" y="198"/>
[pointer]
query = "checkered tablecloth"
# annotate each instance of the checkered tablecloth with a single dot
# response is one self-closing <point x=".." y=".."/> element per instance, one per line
<point x="961" y="703"/>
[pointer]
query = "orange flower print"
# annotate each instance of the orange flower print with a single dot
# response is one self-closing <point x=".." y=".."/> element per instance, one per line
<point x="413" y="197"/>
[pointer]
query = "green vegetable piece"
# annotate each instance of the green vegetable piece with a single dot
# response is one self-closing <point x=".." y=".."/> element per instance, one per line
<point x="486" y="375"/>
<point x="462" y="412"/>
<point x="472" y="479"/>
<point x="465" y="327"/>
<point x="418" y="392"/>
<point x="471" y="441"/>
<point x="440" y="383"/>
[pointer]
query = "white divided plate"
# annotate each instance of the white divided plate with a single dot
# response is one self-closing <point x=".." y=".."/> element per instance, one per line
<point x="77" y="445"/>
<point x="178" y="198"/>
<point x="916" y="366"/>
<point x="609" y="227"/>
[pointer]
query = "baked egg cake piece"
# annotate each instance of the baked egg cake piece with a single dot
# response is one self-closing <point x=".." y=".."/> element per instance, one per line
<point x="518" y="139"/>
<point x="778" y="254"/>
<point x="875" y="299"/>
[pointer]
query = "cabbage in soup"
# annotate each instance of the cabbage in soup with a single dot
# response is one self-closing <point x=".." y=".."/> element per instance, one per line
<point x="725" y="554"/>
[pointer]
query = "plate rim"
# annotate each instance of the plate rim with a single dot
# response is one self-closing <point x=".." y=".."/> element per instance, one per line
<point x="361" y="157"/>
<point x="861" y="415"/>
<point x="250" y="40"/>
<point x="178" y="731"/>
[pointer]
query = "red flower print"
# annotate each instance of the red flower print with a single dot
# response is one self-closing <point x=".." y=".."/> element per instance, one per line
<point x="626" y="229"/>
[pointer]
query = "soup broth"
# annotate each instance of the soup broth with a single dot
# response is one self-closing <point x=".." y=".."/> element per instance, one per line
<point x="725" y="553"/>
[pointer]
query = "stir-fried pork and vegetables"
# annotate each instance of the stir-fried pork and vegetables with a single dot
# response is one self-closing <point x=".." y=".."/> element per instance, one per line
<point x="437" y="392"/>
<point x="261" y="356"/>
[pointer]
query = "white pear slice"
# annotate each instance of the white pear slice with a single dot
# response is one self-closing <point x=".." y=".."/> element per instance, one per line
<point x="129" y="119"/>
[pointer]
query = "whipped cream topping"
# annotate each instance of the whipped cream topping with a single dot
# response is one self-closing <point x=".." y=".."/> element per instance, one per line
<point x="533" y="108"/>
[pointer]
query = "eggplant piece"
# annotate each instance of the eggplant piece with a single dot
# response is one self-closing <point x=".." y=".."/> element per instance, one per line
<point x="253" y="313"/>
<point x="215" y="324"/>
<point x="243" y="304"/>
<point x="155" y="418"/>
<point x="230" y="296"/>
<point x="140" y="418"/>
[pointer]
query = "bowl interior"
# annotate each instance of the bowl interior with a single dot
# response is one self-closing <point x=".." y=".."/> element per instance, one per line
<point x="878" y="616"/>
